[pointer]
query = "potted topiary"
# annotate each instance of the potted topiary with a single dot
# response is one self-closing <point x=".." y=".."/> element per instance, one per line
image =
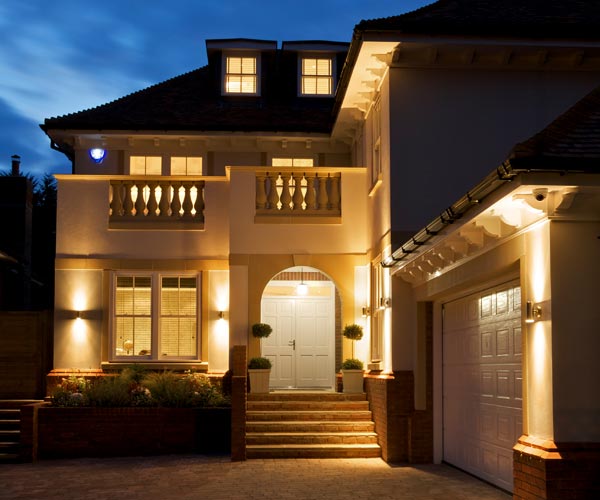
<point x="352" y="375"/>
<point x="259" y="370"/>
<point x="261" y="330"/>
<point x="353" y="332"/>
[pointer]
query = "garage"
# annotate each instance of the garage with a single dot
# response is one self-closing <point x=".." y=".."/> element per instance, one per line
<point x="482" y="382"/>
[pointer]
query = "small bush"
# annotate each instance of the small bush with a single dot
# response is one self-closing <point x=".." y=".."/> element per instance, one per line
<point x="352" y="364"/>
<point x="70" y="392"/>
<point x="259" y="364"/>
<point x="353" y="332"/>
<point x="110" y="391"/>
<point x="261" y="330"/>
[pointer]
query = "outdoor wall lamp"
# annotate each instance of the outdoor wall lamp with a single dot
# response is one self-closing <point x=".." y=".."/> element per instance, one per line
<point x="366" y="311"/>
<point x="384" y="303"/>
<point x="533" y="312"/>
<point x="97" y="154"/>
<point x="302" y="288"/>
<point x="221" y="314"/>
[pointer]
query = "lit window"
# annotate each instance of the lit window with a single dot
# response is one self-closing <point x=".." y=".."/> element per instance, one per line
<point x="240" y="75"/>
<point x="181" y="165"/>
<point x="317" y="76"/>
<point x="292" y="162"/>
<point x="145" y="165"/>
<point x="137" y="302"/>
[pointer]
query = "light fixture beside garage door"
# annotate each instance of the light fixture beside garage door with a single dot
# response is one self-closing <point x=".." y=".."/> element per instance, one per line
<point x="533" y="312"/>
<point x="302" y="288"/>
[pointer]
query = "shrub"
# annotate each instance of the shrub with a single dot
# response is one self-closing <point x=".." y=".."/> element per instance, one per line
<point x="110" y="391"/>
<point x="70" y="392"/>
<point x="352" y="364"/>
<point x="353" y="332"/>
<point x="259" y="364"/>
<point x="261" y="330"/>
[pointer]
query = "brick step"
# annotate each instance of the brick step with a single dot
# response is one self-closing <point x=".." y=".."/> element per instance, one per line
<point x="310" y="426"/>
<point x="10" y="435"/>
<point x="10" y="413"/>
<point x="9" y="446"/>
<point x="307" y="396"/>
<point x="17" y="403"/>
<point x="314" y="451"/>
<point x="303" y="438"/>
<point x="8" y="424"/>
<point x="308" y="405"/>
<point x="308" y="415"/>
<point x="10" y="458"/>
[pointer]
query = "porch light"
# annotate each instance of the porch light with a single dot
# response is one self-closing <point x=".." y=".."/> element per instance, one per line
<point x="533" y="312"/>
<point x="366" y="311"/>
<point x="384" y="303"/>
<point x="302" y="288"/>
<point x="97" y="154"/>
<point x="221" y="314"/>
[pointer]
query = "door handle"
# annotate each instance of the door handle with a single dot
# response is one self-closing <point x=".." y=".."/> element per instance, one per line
<point x="293" y="344"/>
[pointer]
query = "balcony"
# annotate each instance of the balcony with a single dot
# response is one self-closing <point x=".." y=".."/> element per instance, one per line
<point x="162" y="202"/>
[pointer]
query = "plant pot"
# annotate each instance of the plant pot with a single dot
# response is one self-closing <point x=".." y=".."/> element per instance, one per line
<point x="352" y="380"/>
<point x="259" y="380"/>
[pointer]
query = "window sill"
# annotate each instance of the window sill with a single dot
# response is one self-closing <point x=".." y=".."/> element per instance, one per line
<point x="201" y="366"/>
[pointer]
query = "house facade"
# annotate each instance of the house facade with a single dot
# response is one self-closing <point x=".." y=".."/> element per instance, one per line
<point x="201" y="205"/>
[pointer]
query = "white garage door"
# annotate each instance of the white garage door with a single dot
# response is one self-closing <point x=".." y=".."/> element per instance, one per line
<point x="482" y="382"/>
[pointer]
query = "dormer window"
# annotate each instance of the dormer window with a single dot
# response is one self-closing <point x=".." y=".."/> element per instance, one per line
<point x="241" y="74"/>
<point x="316" y="76"/>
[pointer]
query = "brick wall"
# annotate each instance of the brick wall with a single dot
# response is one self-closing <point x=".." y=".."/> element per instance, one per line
<point x="544" y="470"/>
<point x="238" y="402"/>
<point x="86" y="431"/>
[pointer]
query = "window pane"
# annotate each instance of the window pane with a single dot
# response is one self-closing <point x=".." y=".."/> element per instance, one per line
<point x="178" y="316"/>
<point x="303" y="162"/>
<point x="248" y="84"/>
<point x="324" y="67"/>
<point x="177" y="166"/>
<point x="133" y="322"/>
<point x="194" y="166"/>
<point x="137" y="165"/>
<point x="233" y="84"/>
<point x="153" y="165"/>
<point x="281" y="162"/>
<point x="309" y="66"/>
<point x="234" y="65"/>
<point x="248" y="66"/>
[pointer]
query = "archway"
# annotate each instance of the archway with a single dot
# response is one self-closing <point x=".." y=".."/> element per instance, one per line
<point x="300" y="305"/>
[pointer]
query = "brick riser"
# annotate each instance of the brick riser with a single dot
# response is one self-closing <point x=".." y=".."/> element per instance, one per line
<point x="310" y="425"/>
<point x="10" y="428"/>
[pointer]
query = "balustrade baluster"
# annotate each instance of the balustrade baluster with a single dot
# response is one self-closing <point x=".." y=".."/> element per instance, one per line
<point x="152" y="204"/>
<point x="322" y="197"/>
<point x="140" y="204"/>
<point x="165" y="194"/>
<point x="116" y="204"/>
<point x="187" y="200"/>
<point x="297" y="199"/>
<point x="176" y="201"/>
<point x="199" y="200"/>
<point x="272" y="197"/>
<point x="286" y="197"/>
<point x="128" y="201"/>
<point x="310" y="197"/>
<point x="335" y="197"/>
<point x="261" y="195"/>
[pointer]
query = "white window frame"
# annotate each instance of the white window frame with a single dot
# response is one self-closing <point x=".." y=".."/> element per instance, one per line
<point x="293" y="158"/>
<point x="376" y="165"/>
<point x="186" y="157"/>
<point x="146" y="156"/>
<point x="224" y="73"/>
<point x="155" y="314"/>
<point x="317" y="55"/>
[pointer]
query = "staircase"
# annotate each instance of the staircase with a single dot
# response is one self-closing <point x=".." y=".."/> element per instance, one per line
<point x="310" y="425"/>
<point x="10" y="428"/>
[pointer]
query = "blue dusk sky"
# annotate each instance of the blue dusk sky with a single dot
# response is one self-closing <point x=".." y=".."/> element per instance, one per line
<point x="62" y="56"/>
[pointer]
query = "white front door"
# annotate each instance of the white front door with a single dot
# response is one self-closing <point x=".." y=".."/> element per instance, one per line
<point x="301" y="347"/>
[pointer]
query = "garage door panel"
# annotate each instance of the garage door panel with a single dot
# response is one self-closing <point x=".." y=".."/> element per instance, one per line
<point x="483" y="382"/>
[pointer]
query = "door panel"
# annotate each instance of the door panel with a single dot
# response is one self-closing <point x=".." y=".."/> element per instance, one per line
<point x="482" y="382"/>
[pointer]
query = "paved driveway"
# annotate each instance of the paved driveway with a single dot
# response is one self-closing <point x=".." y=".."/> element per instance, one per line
<point x="183" y="477"/>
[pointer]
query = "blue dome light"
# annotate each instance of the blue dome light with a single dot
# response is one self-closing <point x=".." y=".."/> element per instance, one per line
<point x="97" y="154"/>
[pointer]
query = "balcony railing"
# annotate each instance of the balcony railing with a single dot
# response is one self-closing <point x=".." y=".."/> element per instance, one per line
<point x="289" y="192"/>
<point x="156" y="200"/>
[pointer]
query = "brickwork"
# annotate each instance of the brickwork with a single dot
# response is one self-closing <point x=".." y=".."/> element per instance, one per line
<point x="239" y="361"/>
<point x="95" y="432"/>
<point x="546" y="471"/>
<point x="405" y="434"/>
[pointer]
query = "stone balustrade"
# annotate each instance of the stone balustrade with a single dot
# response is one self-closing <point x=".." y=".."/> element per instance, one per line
<point x="156" y="199"/>
<point x="291" y="191"/>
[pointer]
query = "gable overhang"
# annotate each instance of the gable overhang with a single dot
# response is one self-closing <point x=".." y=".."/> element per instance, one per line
<point x="373" y="53"/>
<point x="508" y="202"/>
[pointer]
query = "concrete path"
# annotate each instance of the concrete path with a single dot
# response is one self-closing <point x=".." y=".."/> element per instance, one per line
<point x="183" y="477"/>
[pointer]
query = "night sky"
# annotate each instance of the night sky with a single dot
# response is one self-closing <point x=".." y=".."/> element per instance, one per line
<point x="62" y="56"/>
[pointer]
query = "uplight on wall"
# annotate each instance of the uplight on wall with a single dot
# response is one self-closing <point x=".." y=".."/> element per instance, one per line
<point x="533" y="312"/>
<point x="97" y="154"/>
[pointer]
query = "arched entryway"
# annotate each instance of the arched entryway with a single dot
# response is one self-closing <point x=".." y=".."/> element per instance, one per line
<point x="300" y="305"/>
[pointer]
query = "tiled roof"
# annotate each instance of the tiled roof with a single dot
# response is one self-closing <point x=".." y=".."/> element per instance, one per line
<point x="572" y="137"/>
<point x="189" y="102"/>
<point x="510" y="18"/>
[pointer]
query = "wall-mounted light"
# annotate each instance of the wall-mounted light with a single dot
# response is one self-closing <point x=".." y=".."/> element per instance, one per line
<point x="97" y="154"/>
<point x="302" y="288"/>
<point x="221" y="314"/>
<point x="384" y="303"/>
<point x="366" y="311"/>
<point x="533" y="312"/>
